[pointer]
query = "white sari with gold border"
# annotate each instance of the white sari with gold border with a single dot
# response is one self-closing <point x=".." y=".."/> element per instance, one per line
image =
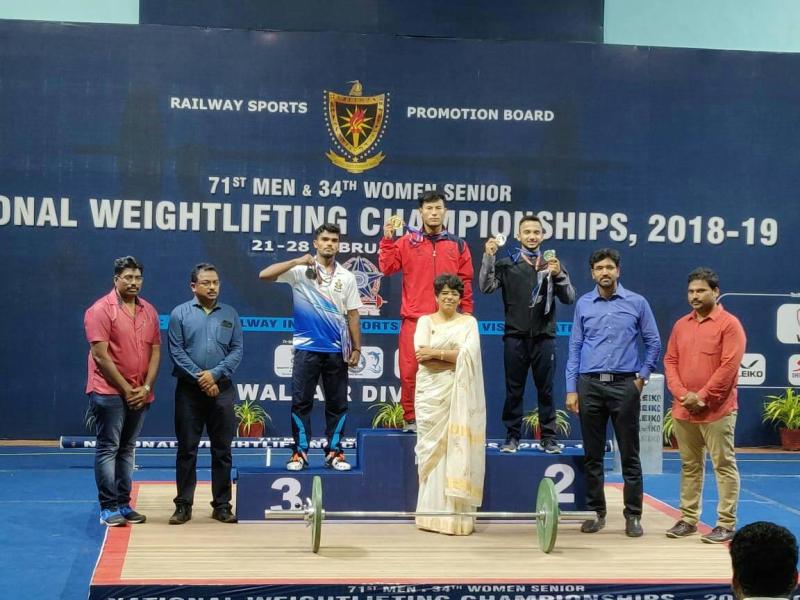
<point x="450" y="409"/>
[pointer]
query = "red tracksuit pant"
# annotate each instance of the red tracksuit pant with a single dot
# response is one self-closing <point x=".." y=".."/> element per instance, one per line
<point x="407" y="361"/>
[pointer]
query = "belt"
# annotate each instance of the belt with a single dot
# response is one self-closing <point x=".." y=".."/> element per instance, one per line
<point x="610" y="377"/>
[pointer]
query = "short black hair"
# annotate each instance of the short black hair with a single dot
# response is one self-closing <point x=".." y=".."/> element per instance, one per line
<point x="705" y="274"/>
<point x="764" y="560"/>
<point x="203" y="266"/>
<point x="329" y="227"/>
<point x="430" y="196"/>
<point x="448" y="279"/>
<point x="603" y="254"/>
<point x="533" y="218"/>
<point x="127" y="262"/>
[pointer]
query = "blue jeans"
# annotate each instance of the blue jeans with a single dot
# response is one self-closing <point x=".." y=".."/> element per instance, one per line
<point x="117" y="429"/>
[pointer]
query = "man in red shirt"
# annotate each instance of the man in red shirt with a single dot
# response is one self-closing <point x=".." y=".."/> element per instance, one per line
<point x="702" y="367"/>
<point x="123" y="331"/>
<point x="421" y="256"/>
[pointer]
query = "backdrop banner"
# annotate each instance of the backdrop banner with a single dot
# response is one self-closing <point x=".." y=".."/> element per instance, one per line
<point x="181" y="145"/>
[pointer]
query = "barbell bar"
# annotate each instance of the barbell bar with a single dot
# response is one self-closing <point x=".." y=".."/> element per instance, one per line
<point x="546" y="516"/>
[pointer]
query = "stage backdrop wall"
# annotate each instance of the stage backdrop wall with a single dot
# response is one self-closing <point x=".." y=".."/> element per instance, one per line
<point x="179" y="145"/>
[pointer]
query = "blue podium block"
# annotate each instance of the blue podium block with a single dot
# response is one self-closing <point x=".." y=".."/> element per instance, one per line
<point x="384" y="477"/>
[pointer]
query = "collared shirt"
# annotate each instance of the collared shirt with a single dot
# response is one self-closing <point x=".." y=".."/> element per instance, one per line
<point x="320" y="307"/>
<point x="200" y="341"/>
<point x="704" y="357"/>
<point x="605" y="336"/>
<point x="130" y="340"/>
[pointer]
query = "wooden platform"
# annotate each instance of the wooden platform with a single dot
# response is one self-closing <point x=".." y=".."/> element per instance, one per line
<point x="206" y="552"/>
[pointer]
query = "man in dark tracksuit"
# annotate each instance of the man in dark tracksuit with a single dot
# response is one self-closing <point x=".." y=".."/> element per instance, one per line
<point x="529" y="284"/>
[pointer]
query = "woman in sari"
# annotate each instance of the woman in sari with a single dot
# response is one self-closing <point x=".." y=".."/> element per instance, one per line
<point x="451" y="412"/>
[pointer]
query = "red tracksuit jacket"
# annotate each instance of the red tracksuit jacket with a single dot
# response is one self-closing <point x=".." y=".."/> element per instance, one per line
<point x="421" y="262"/>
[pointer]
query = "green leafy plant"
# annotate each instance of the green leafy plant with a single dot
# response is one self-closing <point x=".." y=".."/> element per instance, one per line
<point x="668" y="427"/>
<point x="388" y="415"/>
<point x="530" y="422"/>
<point x="251" y="416"/>
<point x="783" y="409"/>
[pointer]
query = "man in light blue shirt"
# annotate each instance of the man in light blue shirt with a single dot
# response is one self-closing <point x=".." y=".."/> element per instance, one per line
<point x="605" y="377"/>
<point x="206" y="346"/>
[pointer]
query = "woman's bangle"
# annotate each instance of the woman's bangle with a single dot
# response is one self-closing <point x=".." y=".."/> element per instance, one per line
<point x="441" y="354"/>
<point x="357" y="350"/>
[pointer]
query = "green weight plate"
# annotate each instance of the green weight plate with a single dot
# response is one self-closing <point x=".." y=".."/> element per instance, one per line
<point x="547" y="506"/>
<point x="316" y="513"/>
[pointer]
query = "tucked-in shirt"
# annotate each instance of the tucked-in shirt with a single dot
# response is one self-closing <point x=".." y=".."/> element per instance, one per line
<point x="130" y="340"/>
<point x="605" y="336"/>
<point x="200" y="341"/>
<point x="704" y="357"/>
<point x="320" y="307"/>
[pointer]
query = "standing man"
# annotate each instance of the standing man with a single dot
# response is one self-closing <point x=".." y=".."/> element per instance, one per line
<point x="327" y="340"/>
<point x="122" y="330"/>
<point x="529" y="283"/>
<point x="702" y="362"/>
<point x="605" y="377"/>
<point x="421" y="256"/>
<point x="206" y="346"/>
<point x="764" y="561"/>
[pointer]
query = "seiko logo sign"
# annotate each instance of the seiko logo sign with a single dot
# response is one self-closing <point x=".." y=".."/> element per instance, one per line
<point x="283" y="360"/>
<point x="752" y="369"/>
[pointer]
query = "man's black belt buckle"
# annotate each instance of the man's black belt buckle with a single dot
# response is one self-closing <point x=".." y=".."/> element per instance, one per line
<point x="611" y="377"/>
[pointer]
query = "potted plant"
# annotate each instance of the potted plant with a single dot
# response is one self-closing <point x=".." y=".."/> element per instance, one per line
<point x="530" y="422"/>
<point x="252" y="418"/>
<point x="668" y="429"/>
<point x="785" y="409"/>
<point x="389" y="415"/>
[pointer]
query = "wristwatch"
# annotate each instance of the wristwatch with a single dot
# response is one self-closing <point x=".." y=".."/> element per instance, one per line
<point x="146" y="387"/>
<point x="639" y="376"/>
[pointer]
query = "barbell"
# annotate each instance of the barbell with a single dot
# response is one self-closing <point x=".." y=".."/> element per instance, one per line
<point x="546" y="516"/>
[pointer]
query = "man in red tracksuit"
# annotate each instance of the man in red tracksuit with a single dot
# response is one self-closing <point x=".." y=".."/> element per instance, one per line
<point x="421" y="256"/>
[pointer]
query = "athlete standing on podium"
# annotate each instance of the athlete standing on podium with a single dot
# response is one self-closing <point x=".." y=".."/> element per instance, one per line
<point x="420" y="256"/>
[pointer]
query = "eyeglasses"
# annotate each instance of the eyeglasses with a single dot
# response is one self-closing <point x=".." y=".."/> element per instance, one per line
<point x="131" y="278"/>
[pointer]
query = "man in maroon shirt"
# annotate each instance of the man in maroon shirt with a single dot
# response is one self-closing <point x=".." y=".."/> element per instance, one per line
<point x="702" y="366"/>
<point x="123" y="331"/>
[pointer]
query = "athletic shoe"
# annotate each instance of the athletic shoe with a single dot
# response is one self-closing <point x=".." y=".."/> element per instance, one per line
<point x="337" y="461"/>
<point x="223" y="515"/>
<point x="131" y="516"/>
<point x="718" y="535"/>
<point x="550" y="446"/>
<point x="182" y="514"/>
<point x="112" y="518"/>
<point x="681" y="529"/>
<point x="511" y="446"/>
<point x="298" y="462"/>
<point x="410" y="426"/>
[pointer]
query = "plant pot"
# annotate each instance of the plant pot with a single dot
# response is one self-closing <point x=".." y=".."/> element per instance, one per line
<point x="790" y="438"/>
<point x="256" y="430"/>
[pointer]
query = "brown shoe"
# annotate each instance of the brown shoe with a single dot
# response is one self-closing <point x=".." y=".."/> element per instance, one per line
<point x="681" y="529"/>
<point x="718" y="535"/>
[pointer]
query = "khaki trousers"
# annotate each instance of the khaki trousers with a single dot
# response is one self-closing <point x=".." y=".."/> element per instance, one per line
<point x="693" y="441"/>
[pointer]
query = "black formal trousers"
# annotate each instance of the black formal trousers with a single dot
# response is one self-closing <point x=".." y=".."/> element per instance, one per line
<point x="307" y="370"/>
<point x="521" y="355"/>
<point x="618" y="401"/>
<point x="194" y="411"/>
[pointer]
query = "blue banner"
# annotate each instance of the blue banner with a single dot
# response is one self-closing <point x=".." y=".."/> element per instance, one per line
<point x="180" y="145"/>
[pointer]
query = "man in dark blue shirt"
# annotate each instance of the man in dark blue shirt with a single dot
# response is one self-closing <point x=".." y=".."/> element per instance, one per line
<point x="205" y="345"/>
<point x="605" y="377"/>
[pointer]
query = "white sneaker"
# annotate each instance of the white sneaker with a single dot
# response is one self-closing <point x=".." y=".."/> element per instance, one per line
<point x="337" y="461"/>
<point x="298" y="462"/>
<point x="410" y="426"/>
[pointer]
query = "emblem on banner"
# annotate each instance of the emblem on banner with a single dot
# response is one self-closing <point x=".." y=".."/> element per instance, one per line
<point x="356" y="124"/>
<point x="368" y="280"/>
